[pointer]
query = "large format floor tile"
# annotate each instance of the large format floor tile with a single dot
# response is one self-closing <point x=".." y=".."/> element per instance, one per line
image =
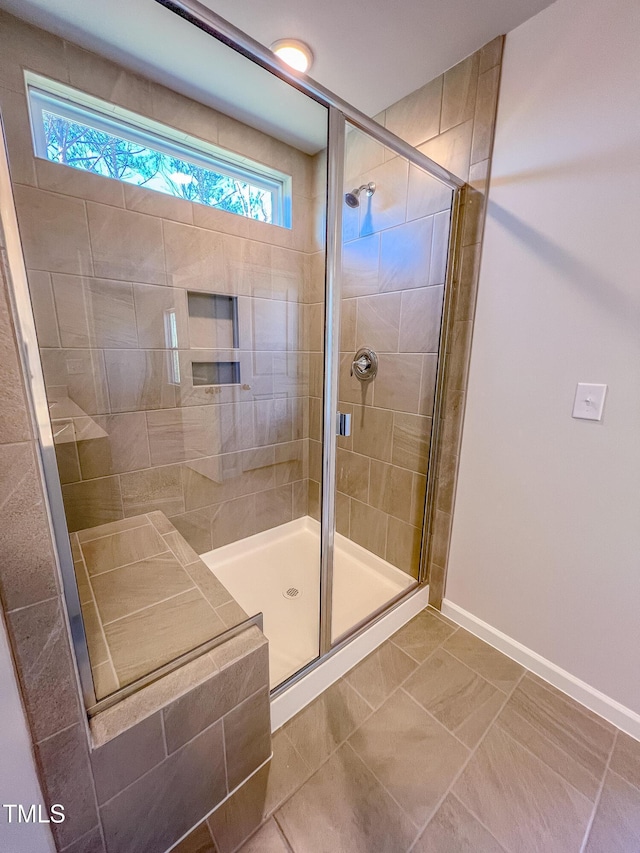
<point x="454" y="830"/>
<point x="625" y="760"/>
<point x="457" y="696"/>
<point x="438" y="743"/>
<point x="491" y="664"/>
<point x="380" y="673"/>
<point x="344" y="809"/>
<point x="413" y="756"/>
<point x="616" y="826"/>
<point x="327" y="722"/>
<point x="524" y="804"/>
<point x="287" y="771"/>
<point x="422" y="635"/>
<point x="565" y="736"/>
<point x="269" y="839"/>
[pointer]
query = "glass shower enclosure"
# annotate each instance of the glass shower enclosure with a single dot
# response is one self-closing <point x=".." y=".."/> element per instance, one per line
<point x="234" y="307"/>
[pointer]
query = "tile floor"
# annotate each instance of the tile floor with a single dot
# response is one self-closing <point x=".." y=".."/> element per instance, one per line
<point x="146" y="598"/>
<point x="437" y="743"/>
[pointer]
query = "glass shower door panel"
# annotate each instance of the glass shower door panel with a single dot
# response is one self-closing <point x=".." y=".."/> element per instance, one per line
<point x="181" y="346"/>
<point x="396" y="223"/>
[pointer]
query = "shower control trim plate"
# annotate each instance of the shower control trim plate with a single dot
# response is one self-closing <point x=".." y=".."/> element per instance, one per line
<point x="365" y="365"/>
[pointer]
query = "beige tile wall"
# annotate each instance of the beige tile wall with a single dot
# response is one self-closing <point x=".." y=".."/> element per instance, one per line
<point x="105" y="262"/>
<point x="394" y="267"/>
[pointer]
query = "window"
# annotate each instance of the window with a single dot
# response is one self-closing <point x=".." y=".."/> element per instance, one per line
<point x="78" y="130"/>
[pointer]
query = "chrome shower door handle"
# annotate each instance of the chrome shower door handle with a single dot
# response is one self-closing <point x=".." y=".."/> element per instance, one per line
<point x="343" y="424"/>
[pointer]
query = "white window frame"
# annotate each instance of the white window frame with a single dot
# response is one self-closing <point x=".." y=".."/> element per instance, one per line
<point x="76" y="106"/>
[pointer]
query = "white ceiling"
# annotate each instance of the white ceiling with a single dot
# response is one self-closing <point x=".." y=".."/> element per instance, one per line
<point x="374" y="52"/>
<point x="369" y="52"/>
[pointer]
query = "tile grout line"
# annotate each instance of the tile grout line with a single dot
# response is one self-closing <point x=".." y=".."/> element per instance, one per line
<point x="298" y="753"/>
<point x="540" y="761"/>
<point x="466" y="764"/>
<point x="434" y="718"/>
<point x="51" y="598"/>
<point x="149" y="606"/>
<point x="475" y="671"/>
<point x="164" y="733"/>
<point x="128" y="565"/>
<point x="81" y="837"/>
<point x="224" y="752"/>
<point x="596" y="803"/>
<point x="475" y="817"/>
<point x="363" y="721"/>
<point x="283" y="834"/>
<point x="115" y="532"/>
<point x="559" y="748"/>
<point x="344" y="740"/>
<point x="220" y="721"/>
<point x="197" y="586"/>
<point x="55" y="734"/>
<point x="403" y="811"/>
<point x="409" y="655"/>
<point x="101" y="627"/>
<point x="400" y="686"/>
<point x="575" y="706"/>
<point x="400" y="689"/>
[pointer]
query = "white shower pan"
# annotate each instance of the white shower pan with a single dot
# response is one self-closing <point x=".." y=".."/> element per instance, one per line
<point x="278" y="573"/>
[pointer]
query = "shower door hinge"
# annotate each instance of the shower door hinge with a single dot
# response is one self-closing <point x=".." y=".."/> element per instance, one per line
<point x="343" y="426"/>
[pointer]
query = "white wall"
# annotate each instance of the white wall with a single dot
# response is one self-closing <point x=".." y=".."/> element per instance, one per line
<point x="546" y="535"/>
<point x="18" y="780"/>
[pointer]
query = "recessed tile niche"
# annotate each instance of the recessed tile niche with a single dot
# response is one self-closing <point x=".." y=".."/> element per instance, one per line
<point x="215" y="372"/>
<point x="213" y="324"/>
<point x="213" y="320"/>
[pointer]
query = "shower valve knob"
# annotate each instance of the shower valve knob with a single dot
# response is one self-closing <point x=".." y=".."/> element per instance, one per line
<point x="365" y="364"/>
<point x="361" y="364"/>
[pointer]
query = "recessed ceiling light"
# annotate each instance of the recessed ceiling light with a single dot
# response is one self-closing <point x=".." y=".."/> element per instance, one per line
<point x="294" y="52"/>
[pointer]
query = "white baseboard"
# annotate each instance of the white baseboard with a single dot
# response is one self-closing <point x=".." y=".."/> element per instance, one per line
<point x="622" y="717"/>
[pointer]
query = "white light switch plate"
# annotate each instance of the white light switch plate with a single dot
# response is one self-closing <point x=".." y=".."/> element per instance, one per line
<point x="589" y="401"/>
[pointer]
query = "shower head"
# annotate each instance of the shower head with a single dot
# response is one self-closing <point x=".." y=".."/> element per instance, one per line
<point x="352" y="199"/>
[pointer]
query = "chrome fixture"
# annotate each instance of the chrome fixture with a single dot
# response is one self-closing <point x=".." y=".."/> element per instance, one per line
<point x="353" y="198"/>
<point x="365" y="365"/>
<point x="343" y="424"/>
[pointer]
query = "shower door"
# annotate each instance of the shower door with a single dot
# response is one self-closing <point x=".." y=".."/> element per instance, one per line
<point x="396" y="222"/>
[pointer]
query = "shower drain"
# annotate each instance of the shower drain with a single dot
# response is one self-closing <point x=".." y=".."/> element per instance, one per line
<point x="292" y="592"/>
